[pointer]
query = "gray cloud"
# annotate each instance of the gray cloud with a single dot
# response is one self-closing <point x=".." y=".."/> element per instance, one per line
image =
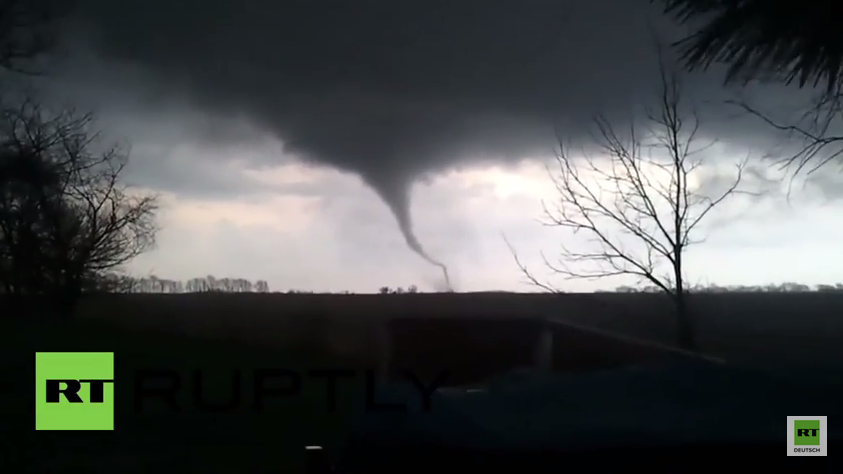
<point x="391" y="91"/>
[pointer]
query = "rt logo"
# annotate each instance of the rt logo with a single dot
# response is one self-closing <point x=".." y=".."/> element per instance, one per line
<point x="806" y="436"/>
<point x="74" y="391"/>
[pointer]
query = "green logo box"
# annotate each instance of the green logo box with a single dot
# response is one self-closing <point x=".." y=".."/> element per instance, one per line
<point x="806" y="432"/>
<point x="74" y="391"/>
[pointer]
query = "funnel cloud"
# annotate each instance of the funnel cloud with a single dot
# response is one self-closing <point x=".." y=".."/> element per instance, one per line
<point x="396" y="194"/>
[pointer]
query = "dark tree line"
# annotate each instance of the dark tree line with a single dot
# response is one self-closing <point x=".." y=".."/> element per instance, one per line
<point x="115" y="283"/>
<point x="786" y="287"/>
<point x="398" y="290"/>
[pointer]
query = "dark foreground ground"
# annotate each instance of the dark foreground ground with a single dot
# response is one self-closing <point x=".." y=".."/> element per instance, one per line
<point x="187" y="334"/>
<point x="760" y="329"/>
<point x="242" y="440"/>
<point x="158" y="438"/>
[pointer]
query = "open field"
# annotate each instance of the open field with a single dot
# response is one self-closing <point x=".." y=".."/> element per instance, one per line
<point x="770" y="329"/>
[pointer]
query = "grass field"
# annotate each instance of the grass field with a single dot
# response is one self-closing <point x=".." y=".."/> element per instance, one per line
<point x="188" y="441"/>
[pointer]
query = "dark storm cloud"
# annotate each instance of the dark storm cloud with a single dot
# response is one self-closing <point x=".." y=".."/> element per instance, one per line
<point x="390" y="90"/>
<point x="387" y="88"/>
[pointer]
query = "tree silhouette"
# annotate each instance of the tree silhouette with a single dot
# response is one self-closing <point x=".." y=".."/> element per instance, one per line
<point x="775" y="40"/>
<point x="786" y="287"/>
<point x="153" y="284"/>
<point x="641" y="209"/>
<point x="65" y="218"/>
<point x="788" y="40"/>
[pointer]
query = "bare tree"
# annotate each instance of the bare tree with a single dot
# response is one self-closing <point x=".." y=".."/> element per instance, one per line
<point x="640" y="206"/>
<point x="65" y="218"/>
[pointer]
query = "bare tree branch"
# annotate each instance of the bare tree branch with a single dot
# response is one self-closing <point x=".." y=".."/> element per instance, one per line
<point x="817" y="146"/>
<point x="527" y="274"/>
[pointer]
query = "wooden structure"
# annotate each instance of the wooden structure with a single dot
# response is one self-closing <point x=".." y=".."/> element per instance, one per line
<point x="472" y="349"/>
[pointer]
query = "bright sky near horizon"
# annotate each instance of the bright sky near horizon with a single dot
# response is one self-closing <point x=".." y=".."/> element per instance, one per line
<point x="326" y="231"/>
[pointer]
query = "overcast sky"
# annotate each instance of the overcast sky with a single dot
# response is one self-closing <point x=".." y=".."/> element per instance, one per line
<point x="289" y="139"/>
